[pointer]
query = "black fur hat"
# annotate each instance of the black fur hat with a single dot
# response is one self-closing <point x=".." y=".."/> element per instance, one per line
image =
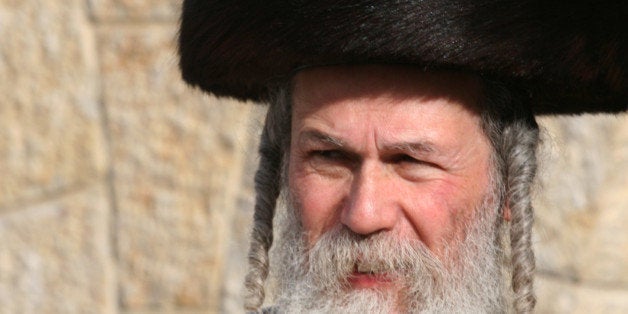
<point x="571" y="56"/>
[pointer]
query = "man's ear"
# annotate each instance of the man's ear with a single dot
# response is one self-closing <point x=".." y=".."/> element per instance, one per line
<point x="506" y="213"/>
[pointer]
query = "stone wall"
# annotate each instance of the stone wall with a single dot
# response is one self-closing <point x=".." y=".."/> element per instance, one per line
<point x="124" y="191"/>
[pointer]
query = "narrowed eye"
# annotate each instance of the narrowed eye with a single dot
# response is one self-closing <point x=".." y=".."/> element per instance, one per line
<point x="331" y="163"/>
<point x="409" y="163"/>
<point x="331" y="154"/>
<point x="402" y="158"/>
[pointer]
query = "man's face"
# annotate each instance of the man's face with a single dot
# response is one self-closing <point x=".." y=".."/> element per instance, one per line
<point x="387" y="149"/>
<point x="387" y="152"/>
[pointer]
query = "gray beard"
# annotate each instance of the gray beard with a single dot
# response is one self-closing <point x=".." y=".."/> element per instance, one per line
<point x="469" y="278"/>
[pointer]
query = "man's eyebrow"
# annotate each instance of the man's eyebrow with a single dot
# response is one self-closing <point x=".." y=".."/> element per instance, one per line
<point x="318" y="136"/>
<point x="420" y="147"/>
<point x="415" y="147"/>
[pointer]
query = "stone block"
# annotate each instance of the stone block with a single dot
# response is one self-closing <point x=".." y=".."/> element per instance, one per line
<point x="51" y="137"/>
<point x="556" y="296"/>
<point x="581" y="205"/>
<point x="178" y="136"/>
<point x="168" y="253"/>
<point x="135" y="10"/>
<point x="55" y="257"/>
<point x="178" y="158"/>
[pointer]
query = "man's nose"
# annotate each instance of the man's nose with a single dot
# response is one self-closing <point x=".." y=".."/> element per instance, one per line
<point x="370" y="205"/>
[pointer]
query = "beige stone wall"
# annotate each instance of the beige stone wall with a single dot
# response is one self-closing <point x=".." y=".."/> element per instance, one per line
<point x="123" y="191"/>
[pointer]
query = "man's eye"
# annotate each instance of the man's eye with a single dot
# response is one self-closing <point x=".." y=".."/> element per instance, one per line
<point x="331" y="154"/>
<point x="413" y="168"/>
<point x="330" y="163"/>
<point x="403" y="158"/>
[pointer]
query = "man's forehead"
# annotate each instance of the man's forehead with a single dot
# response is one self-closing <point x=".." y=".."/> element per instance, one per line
<point x="335" y="83"/>
<point x="393" y="108"/>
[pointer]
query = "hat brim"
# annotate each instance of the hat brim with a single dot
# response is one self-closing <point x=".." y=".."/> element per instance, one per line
<point x="570" y="56"/>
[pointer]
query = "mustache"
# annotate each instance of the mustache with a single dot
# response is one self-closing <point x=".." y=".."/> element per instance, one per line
<point x="340" y="252"/>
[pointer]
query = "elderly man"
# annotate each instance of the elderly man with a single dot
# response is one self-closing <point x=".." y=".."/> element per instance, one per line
<point x="395" y="193"/>
<point x="402" y="137"/>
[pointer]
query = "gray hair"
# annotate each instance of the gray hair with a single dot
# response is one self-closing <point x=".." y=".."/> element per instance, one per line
<point x="514" y="135"/>
<point x="508" y="122"/>
<point x="274" y="144"/>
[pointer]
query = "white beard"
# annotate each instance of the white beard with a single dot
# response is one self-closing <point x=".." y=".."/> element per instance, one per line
<point x="471" y="280"/>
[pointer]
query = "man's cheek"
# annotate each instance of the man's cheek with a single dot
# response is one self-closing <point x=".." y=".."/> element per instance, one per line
<point x="433" y="212"/>
<point x="319" y="202"/>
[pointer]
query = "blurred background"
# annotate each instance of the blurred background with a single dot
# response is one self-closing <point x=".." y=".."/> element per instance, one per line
<point x="124" y="191"/>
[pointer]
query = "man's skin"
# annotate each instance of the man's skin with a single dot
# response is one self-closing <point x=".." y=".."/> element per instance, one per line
<point x="387" y="149"/>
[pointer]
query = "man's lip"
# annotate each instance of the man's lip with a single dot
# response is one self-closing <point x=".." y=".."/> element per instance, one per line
<point x="368" y="280"/>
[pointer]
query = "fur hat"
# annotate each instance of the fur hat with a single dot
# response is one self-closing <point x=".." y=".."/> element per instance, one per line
<point x="571" y="56"/>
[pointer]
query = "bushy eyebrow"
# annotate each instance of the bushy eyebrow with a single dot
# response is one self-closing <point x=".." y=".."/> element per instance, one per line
<point x="412" y="147"/>
<point x="314" y="136"/>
